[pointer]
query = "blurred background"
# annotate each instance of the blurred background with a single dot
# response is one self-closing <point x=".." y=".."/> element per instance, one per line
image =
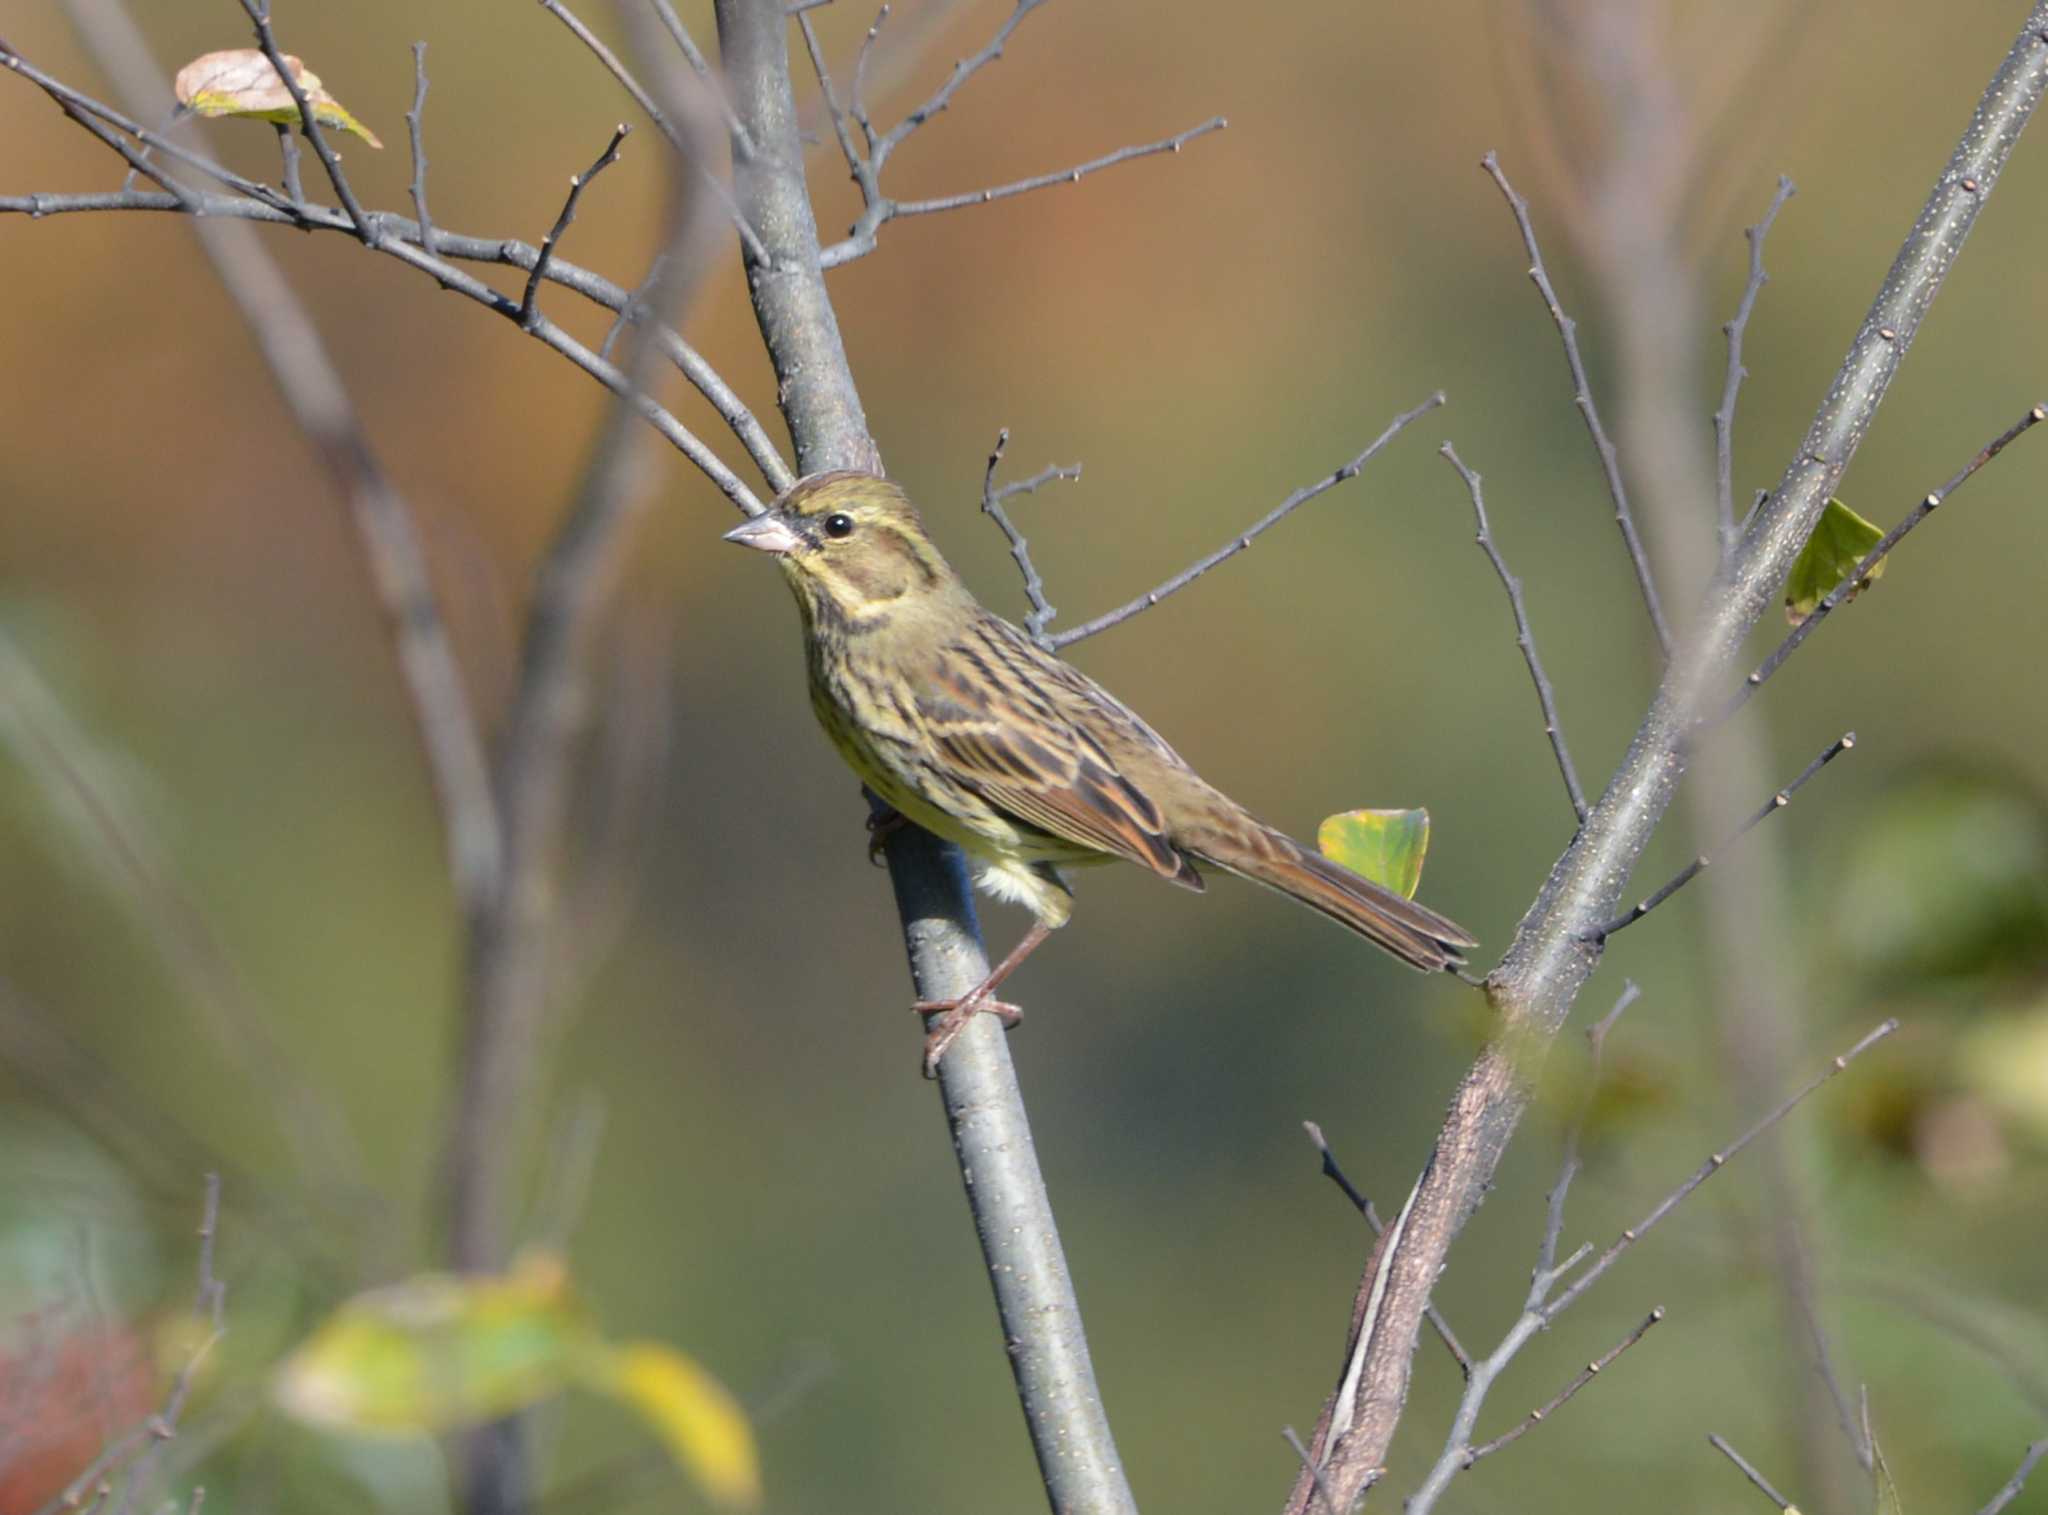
<point x="243" y="954"/>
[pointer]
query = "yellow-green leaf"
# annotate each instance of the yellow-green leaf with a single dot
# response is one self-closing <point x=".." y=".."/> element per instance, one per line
<point x="705" y="1429"/>
<point x="242" y="82"/>
<point x="1387" y="846"/>
<point x="438" y="1352"/>
<point x="1830" y="555"/>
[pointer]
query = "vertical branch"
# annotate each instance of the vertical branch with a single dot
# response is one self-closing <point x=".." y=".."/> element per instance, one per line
<point x="1039" y="1314"/>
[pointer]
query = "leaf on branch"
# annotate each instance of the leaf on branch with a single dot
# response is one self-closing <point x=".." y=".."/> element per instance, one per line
<point x="1386" y="846"/>
<point x="1830" y="555"/>
<point x="241" y="82"/>
<point x="439" y="1352"/>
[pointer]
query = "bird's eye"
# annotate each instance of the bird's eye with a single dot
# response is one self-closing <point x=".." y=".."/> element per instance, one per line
<point x="839" y="525"/>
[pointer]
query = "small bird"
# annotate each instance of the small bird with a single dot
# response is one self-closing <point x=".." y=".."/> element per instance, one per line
<point x="964" y="725"/>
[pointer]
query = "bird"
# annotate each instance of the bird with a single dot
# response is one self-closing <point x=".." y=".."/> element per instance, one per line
<point x="962" y="724"/>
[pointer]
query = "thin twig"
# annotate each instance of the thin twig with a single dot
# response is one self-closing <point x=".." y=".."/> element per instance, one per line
<point x="880" y="209"/>
<point x="365" y="228"/>
<point x="137" y="1448"/>
<point x="1524" y="637"/>
<point x="1575" y="1133"/>
<point x="708" y="76"/>
<point x="612" y="65"/>
<point x="288" y="151"/>
<point x="1293" y="1439"/>
<point x="413" y="119"/>
<point x="1714" y="1164"/>
<point x="1693" y="869"/>
<point x="1245" y="539"/>
<point x="1839" y="595"/>
<point x="1724" y="418"/>
<point x="1582" y="396"/>
<point x="1365" y="1208"/>
<point x="859" y="101"/>
<point x="992" y="500"/>
<point x="2018" y="1481"/>
<point x="1583" y="1377"/>
<point x="604" y="160"/>
<point x="1749" y="1472"/>
<point x="964" y="70"/>
<point x="842" y="126"/>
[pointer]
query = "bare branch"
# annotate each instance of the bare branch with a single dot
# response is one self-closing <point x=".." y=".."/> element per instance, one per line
<point x="1585" y="1376"/>
<point x="1714" y="1164"/>
<point x="604" y="160"/>
<point x="2018" y="1481"/>
<point x="1524" y="637"/>
<point x="861" y="239"/>
<point x="400" y="241"/>
<point x="992" y="506"/>
<point x="1245" y="539"/>
<point x="1692" y="870"/>
<point x="663" y="123"/>
<point x="70" y="98"/>
<point x="1582" y="396"/>
<point x="1840" y="593"/>
<point x="964" y="70"/>
<point x="1365" y="1208"/>
<point x="1724" y="418"/>
<point x="413" y="119"/>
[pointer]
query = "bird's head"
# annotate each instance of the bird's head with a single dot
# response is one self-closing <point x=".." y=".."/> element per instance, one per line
<point x="852" y="547"/>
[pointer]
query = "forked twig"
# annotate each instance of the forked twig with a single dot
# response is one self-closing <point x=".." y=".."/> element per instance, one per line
<point x="992" y="500"/>
<point x="577" y="183"/>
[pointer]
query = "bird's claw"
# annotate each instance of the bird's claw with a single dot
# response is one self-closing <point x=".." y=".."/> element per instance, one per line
<point x="949" y="1017"/>
<point x="880" y="828"/>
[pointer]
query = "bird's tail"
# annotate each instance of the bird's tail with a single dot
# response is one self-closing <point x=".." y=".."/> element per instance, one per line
<point x="1418" y="936"/>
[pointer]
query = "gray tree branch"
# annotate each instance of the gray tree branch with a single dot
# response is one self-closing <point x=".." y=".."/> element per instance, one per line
<point x="1039" y="1315"/>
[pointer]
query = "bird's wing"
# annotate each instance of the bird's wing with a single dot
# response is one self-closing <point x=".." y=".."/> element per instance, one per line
<point x="999" y="711"/>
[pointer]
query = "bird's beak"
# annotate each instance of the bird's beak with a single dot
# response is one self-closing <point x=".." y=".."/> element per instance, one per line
<point x="770" y="533"/>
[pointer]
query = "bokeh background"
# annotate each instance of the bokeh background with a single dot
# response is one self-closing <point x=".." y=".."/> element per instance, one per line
<point x="774" y="1192"/>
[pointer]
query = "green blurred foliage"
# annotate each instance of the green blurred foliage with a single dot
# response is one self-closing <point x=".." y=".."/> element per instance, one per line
<point x="1206" y="332"/>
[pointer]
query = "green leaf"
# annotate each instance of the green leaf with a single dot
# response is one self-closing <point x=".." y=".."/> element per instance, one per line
<point x="243" y="82"/>
<point x="1386" y="846"/>
<point x="439" y="1353"/>
<point x="1839" y="542"/>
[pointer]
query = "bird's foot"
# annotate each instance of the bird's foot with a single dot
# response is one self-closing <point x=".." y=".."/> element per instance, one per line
<point x="949" y="1017"/>
<point x="881" y="827"/>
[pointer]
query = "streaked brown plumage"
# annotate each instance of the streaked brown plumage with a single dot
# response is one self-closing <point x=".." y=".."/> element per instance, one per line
<point x="958" y="720"/>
